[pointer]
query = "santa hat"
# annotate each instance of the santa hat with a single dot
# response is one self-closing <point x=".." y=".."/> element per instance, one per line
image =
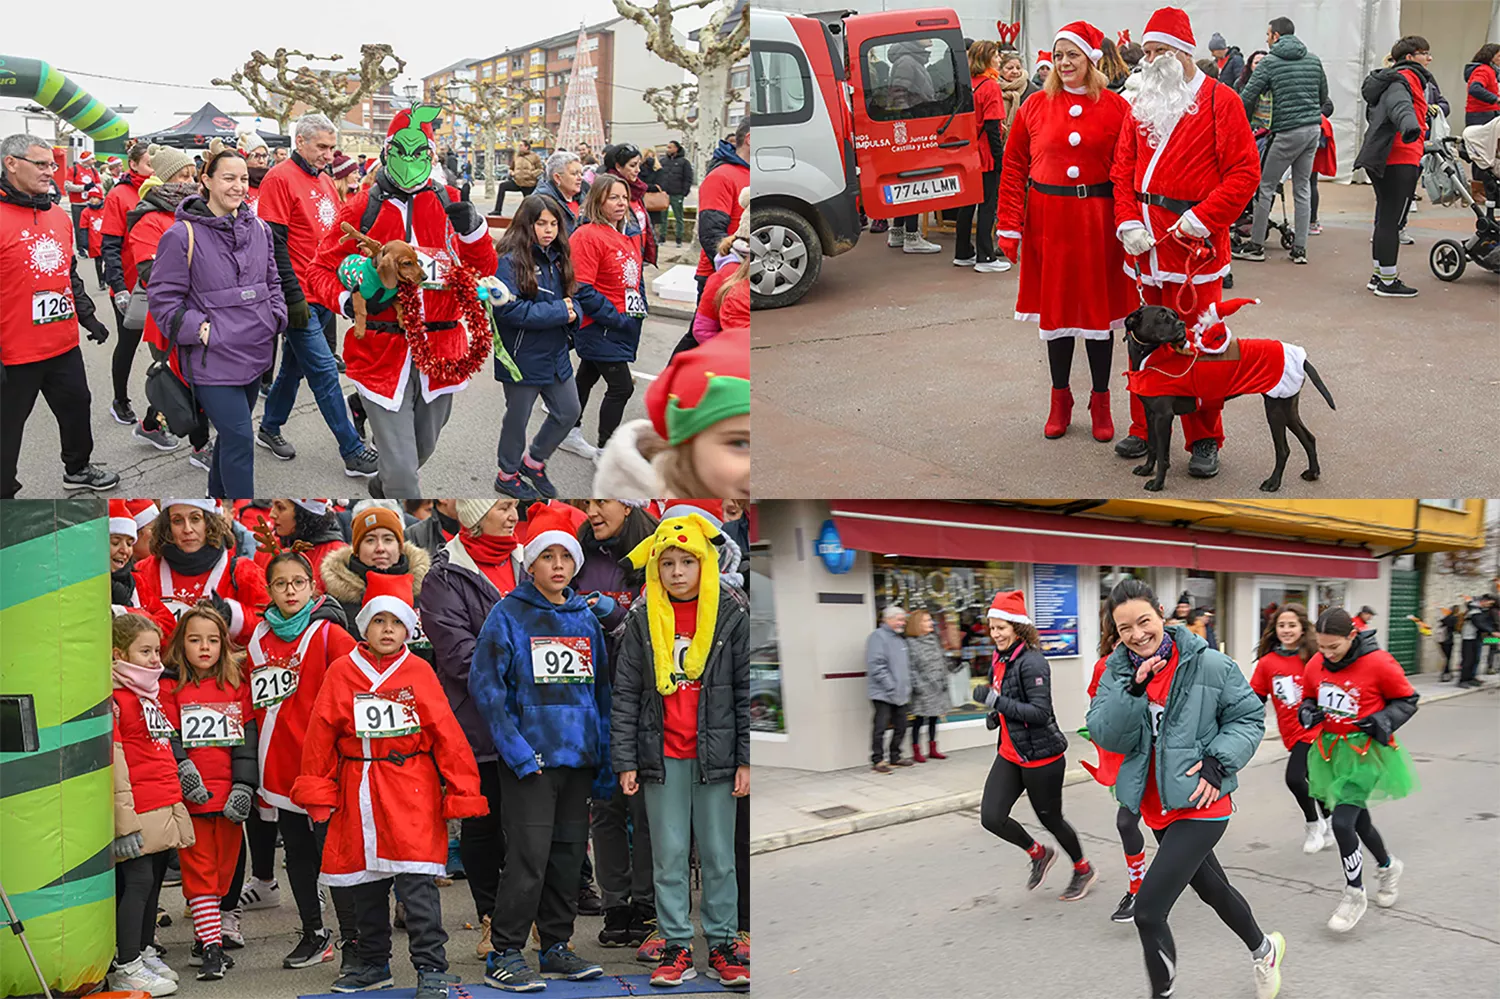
<point x="699" y="538"/>
<point x="121" y="520"/>
<point x="316" y="507"/>
<point x="702" y="386"/>
<point x="546" y="527"/>
<point x="1210" y="332"/>
<point x="1085" y="36"/>
<point x="142" y="511"/>
<point x="1010" y="605"/>
<point x="1217" y="311"/>
<point x="112" y="161"/>
<point x="710" y="510"/>
<point x="1170" y="26"/>
<point x="392" y="593"/>
<point x="1122" y="39"/>
<point x="249" y="138"/>
<point x="402" y="120"/>
<point x="92" y="192"/>
<point x="1043" y="58"/>
<point x="206" y="505"/>
<point x="87" y="156"/>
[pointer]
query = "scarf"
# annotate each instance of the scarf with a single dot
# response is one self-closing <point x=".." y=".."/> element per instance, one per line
<point x="1163" y="651"/>
<point x="257" y="175"/>
<point x="144" y="681"/>
<point x="400" y="567"/>
<point x="638" y="203"/>
<point x="36" y="202"/>
<point x="288" y="628"/>
<point x="1282" y="650"/>
<point x="122" y="585"/>
<point x="1011" y="92"/>
<point x="446" y="524"/>
<point x="492" y="554"/>
<point x="168" y="196"/>
<point x="198" y="563"/>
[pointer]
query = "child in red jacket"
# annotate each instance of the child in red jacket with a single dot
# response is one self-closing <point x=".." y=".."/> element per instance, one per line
<point x="90" y="222"/>
<point x="209" y="707"/>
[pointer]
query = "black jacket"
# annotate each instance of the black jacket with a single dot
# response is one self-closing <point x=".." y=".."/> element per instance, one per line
<point x="1389" y="111"/>
<point x="428" y="534"/>
<point x="1025" y="699"/>
<point x="636" y="724"/>
<point x="676" y="174"/>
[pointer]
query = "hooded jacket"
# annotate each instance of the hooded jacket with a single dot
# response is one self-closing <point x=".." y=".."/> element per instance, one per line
<point x="1482" y="90"/>
<point x="606" y="262"/>
<point x="533" y="725"/>
<point x="536" y="330"/>
<point x="1390" y="112"/>
<point x="526" y="169"/>
<point x="1296" y="81"/>
<point x="1384" y="698"/>
<point x="147" y="791"/>
<point x="232" y="283"/>
<point x="888" y="667"/>
<point x="1232" y="66"/>
<point x="570" y="217"/>
<point x="911" y="81"/>
<point x="675" y="173"/>
<point x="1026" y="704"/>
<point x="344" y="583"/>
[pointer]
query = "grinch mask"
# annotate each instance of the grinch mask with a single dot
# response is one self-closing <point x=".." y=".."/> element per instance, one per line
<point x="408" y="152"/>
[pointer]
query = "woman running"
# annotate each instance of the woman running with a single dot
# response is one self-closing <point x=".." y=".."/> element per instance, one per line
<point x="1127" y="820"/>
<point x="1281" y="660"/>
<point x="1019" y="699"/>
<point x="1187" y="723"/>
<point x="1354" y="697"/>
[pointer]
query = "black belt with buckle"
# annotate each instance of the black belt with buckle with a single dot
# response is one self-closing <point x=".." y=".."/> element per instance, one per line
<point x="1104" y="190"/>
<point x="1170" y="204"/>
<point x="384" y="327"/>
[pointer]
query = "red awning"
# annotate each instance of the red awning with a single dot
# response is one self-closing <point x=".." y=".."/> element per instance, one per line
<point x="970" y="532"/>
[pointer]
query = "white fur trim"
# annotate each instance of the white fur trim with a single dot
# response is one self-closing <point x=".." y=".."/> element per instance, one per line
<point x="1192" y="226"/>
<point x="477" y="234"/>
<point x="390" y="402"/>
<point x="547" y="539"/>
<point x="385" y="602"/>
<point x="206" y="505"/>
<point x="1166" y="39"/>
<point x="429" y="393"/>
<point x="623" y="470"/>
<point x="1004" y="616"/>
<point x="1156" y="278"/>
<point x="1009" y="233"/>
<point x="1077" y="39"/>
<point x="122" y="525"/>
<point x="1065" y="331"/>
<point x="1293" y="372"/>
<point x="316" y="507"/>
<point x="147" y="515"/>
<point x="236" y="616"/>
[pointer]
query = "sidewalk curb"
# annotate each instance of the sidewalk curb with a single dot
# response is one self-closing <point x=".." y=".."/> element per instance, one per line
<point x="944" y="804"/>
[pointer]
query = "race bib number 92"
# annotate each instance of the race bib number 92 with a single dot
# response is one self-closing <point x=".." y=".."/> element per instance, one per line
<point x="561" y="660"/>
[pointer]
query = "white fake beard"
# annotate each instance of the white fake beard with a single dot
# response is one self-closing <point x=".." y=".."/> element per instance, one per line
<point x="1164" y="97"/>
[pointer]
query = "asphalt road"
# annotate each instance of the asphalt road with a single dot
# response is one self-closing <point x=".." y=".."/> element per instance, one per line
<point x="902" y="375"/>
<point x="463" y="465"/>
<point x="938" y="907"/>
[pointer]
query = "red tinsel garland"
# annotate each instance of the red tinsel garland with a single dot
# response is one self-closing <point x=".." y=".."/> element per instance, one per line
<point x="463" y="282"/>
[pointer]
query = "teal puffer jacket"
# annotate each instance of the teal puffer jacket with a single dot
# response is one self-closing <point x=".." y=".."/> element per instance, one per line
<point x="1210" y="711"/>
<point x="1295" y="79"/>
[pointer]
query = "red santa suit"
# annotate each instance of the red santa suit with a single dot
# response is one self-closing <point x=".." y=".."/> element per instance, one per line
<point x="239" y="581"/>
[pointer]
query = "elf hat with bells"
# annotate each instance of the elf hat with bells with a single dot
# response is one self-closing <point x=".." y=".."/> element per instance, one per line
<point x="696" y="536"/>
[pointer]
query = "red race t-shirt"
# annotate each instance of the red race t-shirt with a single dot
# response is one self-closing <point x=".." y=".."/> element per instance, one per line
<point x="307" y="205"/>
<point x="1357" y="690"/>
<point x="1279" y="677"/>
<point x="1155" y="816"/>
<point x="680" y="709"/>
<point x="1007" y="748"/>
<point x="1410" y="153"/>
<point x="720" y="192"/>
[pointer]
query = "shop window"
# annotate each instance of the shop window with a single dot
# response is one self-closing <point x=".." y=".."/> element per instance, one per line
<point x="766" y="714"/>
<point x="1331" y="594"/>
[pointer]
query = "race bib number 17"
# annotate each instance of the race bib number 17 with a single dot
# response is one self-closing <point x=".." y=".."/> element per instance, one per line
<point x="561" y="660"/>
<point x="1337" y="702"/>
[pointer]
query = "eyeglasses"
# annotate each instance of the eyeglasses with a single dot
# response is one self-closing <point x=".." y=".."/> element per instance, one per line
<point x="293" y="585"/>
<point x="39" y="164"/>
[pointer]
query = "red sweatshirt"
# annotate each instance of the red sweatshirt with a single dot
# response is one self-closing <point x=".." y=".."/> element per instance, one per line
<point x="211" y="721"/>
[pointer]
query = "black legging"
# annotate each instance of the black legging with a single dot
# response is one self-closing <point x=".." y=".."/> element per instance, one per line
<point x="985" y="236"/>
<point x="1043" y="786"/>
<point x="617" y="392"/>
<point x="916" y="729"/>
<point x="1296" y="782"/>
<point x="262" y="836"/>
<point x="1060" y="360"/>
<point x="1393" y="192"/>
<point x="1129" y="825"/>
<point x="742" y="859"/>
<point x="1313" y="214"/>
<point x="303" y="841"/>
<point x="1185" y="856"/>
<point x="137" y="888"/>
<point x="126" y="342"/>
<point x="1351" y="823"/>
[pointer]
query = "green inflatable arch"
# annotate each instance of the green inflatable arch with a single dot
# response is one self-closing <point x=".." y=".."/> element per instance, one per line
<point x="32" y="79"/>
<point x="56" y="792"/>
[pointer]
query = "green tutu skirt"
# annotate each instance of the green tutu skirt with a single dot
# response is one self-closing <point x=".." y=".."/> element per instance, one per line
<point x="1358" y="770"/>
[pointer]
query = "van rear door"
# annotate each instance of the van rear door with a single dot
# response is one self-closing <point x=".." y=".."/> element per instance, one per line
<point x="915" y="139"/>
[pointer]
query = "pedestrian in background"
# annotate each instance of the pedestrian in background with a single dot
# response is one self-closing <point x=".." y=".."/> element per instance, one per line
<point x="525" y="172"/>
<point x="1229" y="60"/>
<point x="625" y="161"/>
<point x="651" y="177"/>
<point x="1444" y="632"/>
<point x="120" y="275"/>
<point x="719" y="198"/>
<point x="989" y="116"/>
<point x="676" y="178"/>
<point x="888" y="681"/>
<point x="1479" y="623"/>
<point x="929" y="682"/>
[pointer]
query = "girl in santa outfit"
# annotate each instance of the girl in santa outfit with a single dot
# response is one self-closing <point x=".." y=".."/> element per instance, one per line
<point x="193" y="558"/>
<point x="125" y="597"/>
<point x="386" y="764"/>
<point x="1018" y="696"/>
<point x="1127" y="819"/>
<point x="208" y="703"/>
<point x="1056" y="202"/>
<point x="309" y="521"/>
<point x="1285" y="648"/>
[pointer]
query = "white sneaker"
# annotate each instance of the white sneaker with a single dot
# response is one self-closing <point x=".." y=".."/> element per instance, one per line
<point x="1268" y="968"/>
<point x="914" y="243"/>
<point x="156" y="964"/>
<point x="1315" y="840"/>
<point x="135" y="976"/>
<point x="229" y="925"/>
<point x="964" y="261"/>
<point x="575" y="444"/>
<point x="894" y="237"/>
<point x="997" y="266"/>
<point x="258" y="894"/>
<point x="1385" y="895"/>
<point x="1330" y="841"/>
<point x="1351" y="907"/>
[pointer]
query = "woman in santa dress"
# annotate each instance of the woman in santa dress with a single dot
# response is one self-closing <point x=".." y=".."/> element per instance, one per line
<point x="1056" y="201"/>
<point x="193" y="558"/>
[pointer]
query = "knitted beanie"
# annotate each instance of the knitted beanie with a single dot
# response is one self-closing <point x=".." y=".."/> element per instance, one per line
<point x="167" y="161"/>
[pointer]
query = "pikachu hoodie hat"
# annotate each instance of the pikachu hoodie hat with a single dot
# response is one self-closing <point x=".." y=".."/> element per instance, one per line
<point x="695" y="535"/>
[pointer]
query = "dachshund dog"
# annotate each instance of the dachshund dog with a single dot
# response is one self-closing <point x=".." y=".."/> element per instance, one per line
<point x="395" y="262"/>
<point x="1170" y="376"/>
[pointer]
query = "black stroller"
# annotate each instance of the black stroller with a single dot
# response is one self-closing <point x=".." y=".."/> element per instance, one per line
<point x="1477" y="147"/>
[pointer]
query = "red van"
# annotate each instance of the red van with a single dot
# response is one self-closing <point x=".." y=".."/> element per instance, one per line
<point x="857" y="114"/>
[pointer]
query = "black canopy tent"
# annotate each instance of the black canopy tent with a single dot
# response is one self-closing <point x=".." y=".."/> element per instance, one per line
<point x="203" y="126"/>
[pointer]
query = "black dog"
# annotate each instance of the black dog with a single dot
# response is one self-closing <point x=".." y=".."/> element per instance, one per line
<point x="1153" y="326"/>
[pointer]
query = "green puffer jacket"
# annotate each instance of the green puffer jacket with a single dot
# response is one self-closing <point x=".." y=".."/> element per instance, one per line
<point x="1210" y="711"/>
<point x="1296" y="81"/>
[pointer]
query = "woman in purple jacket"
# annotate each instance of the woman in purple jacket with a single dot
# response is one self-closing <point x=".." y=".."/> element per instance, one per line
<point x="222" y="310"/>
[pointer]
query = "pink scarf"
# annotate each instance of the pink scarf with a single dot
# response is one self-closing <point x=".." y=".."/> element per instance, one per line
<point x="145" y="681"/>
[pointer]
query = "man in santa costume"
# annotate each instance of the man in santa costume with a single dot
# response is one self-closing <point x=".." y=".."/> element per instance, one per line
<point x="1185" y="166"/>
<point x="410" y="404"/>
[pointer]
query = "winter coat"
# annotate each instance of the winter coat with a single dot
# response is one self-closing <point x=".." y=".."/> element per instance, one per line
<point x="929" y="677"/>
<point x="1482" y="93"/>
<point x="348" y="587"/>
<point x="147" y="792"/>
<point x="637" y="727"/>
<point x="1233" y="66"/>
<point x="675" y="174"/>
<point x="888" y="676"/>
<point x="456" y="601"/>
<point x="526" y="169"/>
<point x="238" y="580"/>
<point x="1026" y="703"/>
<point x="536" y="330"/>
<point x="606" y="262"/>
<point x="542" y="725"/>
<point x="232" y="283"/>
<point x="602" y="571"/>
<point x="570" y="217"/>
<point x="1389" y="112"/>
<point x="1210" y="711"/>
<point x="911" y="80"/>
<point x="428" y="534"/>
<point x="1296" y="81"/>
<point x="623" y="471"/>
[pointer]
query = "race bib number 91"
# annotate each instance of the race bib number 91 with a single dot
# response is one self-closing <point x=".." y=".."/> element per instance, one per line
<point x="561" y="660"/>
<point x="1287" y="689"/>
<point x="203" y="725"/>
<point x="1337" y="702"/>
<point x="376" y="717"/>
<point x="50" y="307"/>
<point x="271" y="685"/>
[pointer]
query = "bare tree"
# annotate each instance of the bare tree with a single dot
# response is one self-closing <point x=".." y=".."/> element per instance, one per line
<point x="672" y="104"/>
<point x="486" y="107"/>
<point x="273" y="86"/>
<point x="718" y="51"/>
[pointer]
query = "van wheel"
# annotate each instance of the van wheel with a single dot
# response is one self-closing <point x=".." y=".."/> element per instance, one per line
<point x="785" y="257"/>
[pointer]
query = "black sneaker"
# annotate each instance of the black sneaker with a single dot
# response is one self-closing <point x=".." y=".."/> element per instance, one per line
<point x="561" y="961"/>
<point x="1298" y="254"/>
<point x="434" y="984"/>
<point x="121" y="411"/>
<point x="276" y="444"/>
<point x="1373" y="282"/>
<point x="1125" y="912"/>
<point x="349" y="961"/>
<point x="508" y="971"/>
<point x="1228" y="281"/>
<point x="1040" y="866"/>
<point x="642" y="923"/>
<point x="1131" y="447"/>
<point x="364" y="978"/>
<point x="357" y="413"/>
<point x="616" y="930"/>
<point x="516" y="488"/>
<point x="195" y="954"/>
<point x="1204" y="464"/>
<point x="1394" y="289"/>
<point x="1249" y="251"/>
<point x="338" y="362"/>
<point x="1079" y="884"/>
<point x="361" y="463"/>
<point x="313" y="948"/>
<point x="538" y="479"/>
<point x="589" y="902"/>
<point x="95" y="478"/>
<point x="213" y="964"/>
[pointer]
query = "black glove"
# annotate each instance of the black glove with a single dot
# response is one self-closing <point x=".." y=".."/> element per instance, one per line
<point x="221" y="605"/>
<point x="98" y="332"/>
<point x="1375" y="727"/>
<point x="984" y="694"/>
<point x="1213" y="771"/>
<point x="464" y="216"/>
<point x="1309" y="714"/>
<point x="992" y="720"/>
<point x="298" y="316"/>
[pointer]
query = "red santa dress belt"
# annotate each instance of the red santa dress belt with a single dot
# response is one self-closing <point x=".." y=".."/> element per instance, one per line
<point x="1174" y="205"/>
<point x="1104" y="190"/>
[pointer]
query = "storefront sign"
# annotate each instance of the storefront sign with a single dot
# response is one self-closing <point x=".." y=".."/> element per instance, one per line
<point x="836" y="558"/>
<point x="1054" y="609"/>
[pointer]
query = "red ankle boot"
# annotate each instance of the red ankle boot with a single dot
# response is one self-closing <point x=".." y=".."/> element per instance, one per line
<point x="932" y="751"/>
<point x="916" y="753"/>
<point x="1061" y="415"/>
<point x="1104" y="423"/>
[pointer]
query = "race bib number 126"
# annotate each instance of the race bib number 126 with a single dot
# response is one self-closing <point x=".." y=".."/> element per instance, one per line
<point x="50" y="307"/>
<point x="561" y="660"/>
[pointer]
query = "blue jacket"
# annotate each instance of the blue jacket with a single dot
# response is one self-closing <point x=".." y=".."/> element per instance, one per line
<point x="549" y="724"/>
<point x="612" y="336"/>
<point x="536" y="330"/>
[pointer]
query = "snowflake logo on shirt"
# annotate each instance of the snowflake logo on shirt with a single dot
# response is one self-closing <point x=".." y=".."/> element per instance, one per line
<point x="47" y="256"/>
<point x="630" y="271"/>
<point x="251" y="202"/>
<point x="97" y="224"/>
<point x="326" y="210"/>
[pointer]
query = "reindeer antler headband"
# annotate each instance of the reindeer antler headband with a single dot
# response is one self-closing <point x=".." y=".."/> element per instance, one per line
<point x="1008" y="32"/>
<point x="266" y="540"/>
